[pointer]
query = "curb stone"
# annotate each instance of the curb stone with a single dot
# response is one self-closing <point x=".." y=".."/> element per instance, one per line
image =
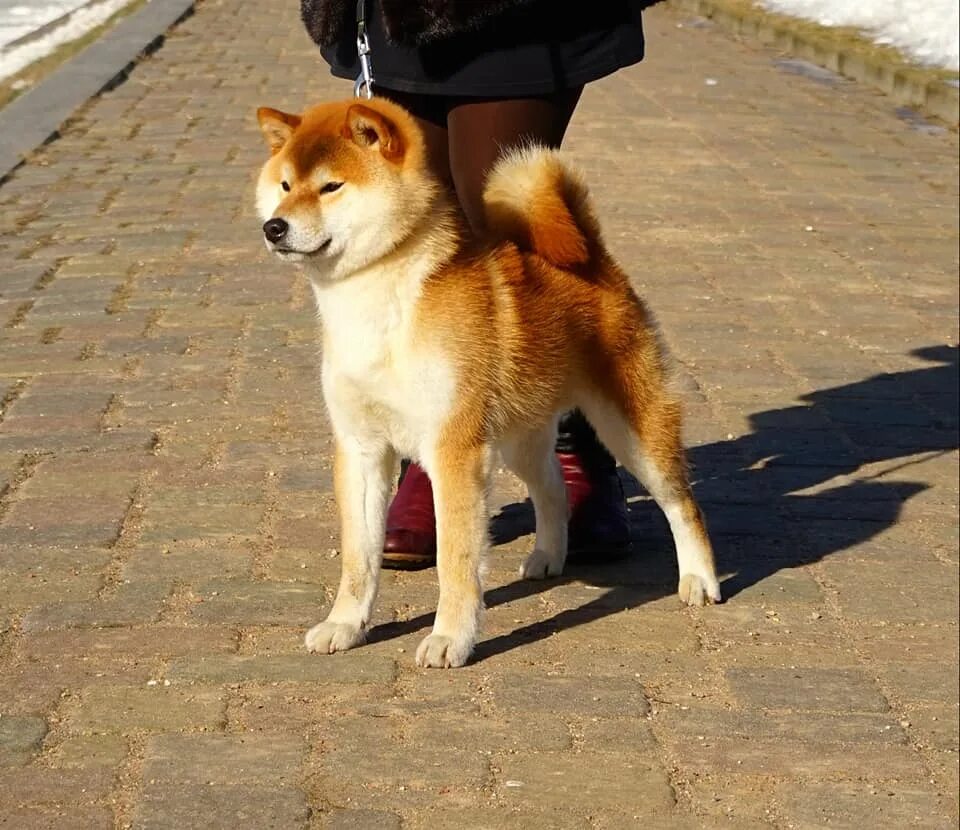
<point x="848" y="55"/>
<point x="35" y="117"/>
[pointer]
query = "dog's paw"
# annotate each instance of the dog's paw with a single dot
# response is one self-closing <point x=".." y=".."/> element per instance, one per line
<point x="438" y="652"/>
<point x="540" y="565"/>
<point x="699" y="590"/>
<point x="328" y="637"/>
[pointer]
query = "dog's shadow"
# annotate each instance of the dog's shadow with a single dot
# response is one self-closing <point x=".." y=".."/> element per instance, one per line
<point x="767" y="496"/>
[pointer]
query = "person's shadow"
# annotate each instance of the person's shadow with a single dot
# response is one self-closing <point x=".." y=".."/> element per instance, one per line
<point x="769" y="496"/>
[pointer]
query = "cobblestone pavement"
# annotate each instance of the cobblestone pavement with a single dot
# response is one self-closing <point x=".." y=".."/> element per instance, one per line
<point x="167" y="526"/>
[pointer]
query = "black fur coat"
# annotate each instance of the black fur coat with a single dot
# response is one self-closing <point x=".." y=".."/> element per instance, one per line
<point x="408" y="22"/>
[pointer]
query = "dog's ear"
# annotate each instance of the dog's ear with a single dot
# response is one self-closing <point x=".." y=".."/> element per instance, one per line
<point x="277" y="126"/>
<point x="370" y="128"/>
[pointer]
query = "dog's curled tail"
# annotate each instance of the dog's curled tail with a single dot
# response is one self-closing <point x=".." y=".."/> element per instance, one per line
<point x="536" y="200"/>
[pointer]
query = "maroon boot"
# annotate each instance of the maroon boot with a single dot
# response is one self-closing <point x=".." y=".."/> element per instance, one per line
<point x="411" y="538"/>
<point x="599" y="526"/>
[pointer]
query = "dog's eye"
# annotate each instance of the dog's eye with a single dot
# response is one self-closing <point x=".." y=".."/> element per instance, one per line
<point x="285" y="186"/>
<point x="329" y="187"/>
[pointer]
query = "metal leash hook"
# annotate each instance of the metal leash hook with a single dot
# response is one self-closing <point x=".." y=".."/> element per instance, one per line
<point x="363" y="86"/>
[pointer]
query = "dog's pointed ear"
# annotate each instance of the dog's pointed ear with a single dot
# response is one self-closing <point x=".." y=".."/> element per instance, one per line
<point x="277" y="126"/>
<point x="370" y="128"/>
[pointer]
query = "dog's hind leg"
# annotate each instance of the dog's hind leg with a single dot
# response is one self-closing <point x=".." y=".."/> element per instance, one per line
<point x="531" y="456"/>
<point x="649" y="446"/>
<point x="362" y="481"/>
<point x="459" y="471"/>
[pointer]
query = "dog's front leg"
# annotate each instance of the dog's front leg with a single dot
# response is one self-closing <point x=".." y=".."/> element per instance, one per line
<point x="362" y="477"/>
<point x="459" y="484"/>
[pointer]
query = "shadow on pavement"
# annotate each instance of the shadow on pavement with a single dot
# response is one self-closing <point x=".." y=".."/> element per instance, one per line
<point x="751" y="491"/>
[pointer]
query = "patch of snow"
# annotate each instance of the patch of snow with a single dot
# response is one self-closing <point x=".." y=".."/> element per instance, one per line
<point x="927" y="31"/>
<point x="21" y="19"/>
<point x="15" y="58"/>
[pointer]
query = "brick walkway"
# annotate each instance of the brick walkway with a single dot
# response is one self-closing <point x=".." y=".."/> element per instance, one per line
<point x="167" y="526"/>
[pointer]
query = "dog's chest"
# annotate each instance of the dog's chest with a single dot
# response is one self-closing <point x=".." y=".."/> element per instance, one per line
<point x="377" y="377"/>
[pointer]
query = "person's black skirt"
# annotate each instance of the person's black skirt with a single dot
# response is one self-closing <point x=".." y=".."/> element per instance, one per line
<point x="537" y="49"/>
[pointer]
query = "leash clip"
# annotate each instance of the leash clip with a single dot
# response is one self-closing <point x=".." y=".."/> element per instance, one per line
<point x="363" y="86"/>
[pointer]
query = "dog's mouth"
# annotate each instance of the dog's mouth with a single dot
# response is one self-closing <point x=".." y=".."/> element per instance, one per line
<point x="294" y="253"/>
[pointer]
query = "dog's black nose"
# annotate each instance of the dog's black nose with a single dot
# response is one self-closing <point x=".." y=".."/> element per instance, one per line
<point x="275" y="229"/>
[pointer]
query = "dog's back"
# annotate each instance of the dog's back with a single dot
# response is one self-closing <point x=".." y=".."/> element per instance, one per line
<point x="548" y="314"/>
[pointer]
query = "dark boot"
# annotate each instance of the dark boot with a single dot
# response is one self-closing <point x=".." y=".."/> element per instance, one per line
<point x="411" y="538"/>
<point x="599" y="522"/>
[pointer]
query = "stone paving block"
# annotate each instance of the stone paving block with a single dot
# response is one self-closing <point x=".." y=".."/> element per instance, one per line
<point x="545" y="780"/>
<point x="73" y="520"/>
<point x="48" y="532"/>
<point x="706" y="722"/>
<point x="111" y="476"/>
<point x="320" y="564"/>
<point x="868" y="593"/>
<point x="935" y="726"/>
<point x="300" y="708"/>
<point x="240" y="807"/>
<point x="306" y="532"/>
<point x="230" y="523"/>
<point x="857" y="805"/>
<point x="32" y="559"/>
<point x="375" y="761"/>
<point x="620" y="735"/>
<point x="358" y="820"/>
<point x="20" y="594"/>
<point x="517" y="732"/>
<point x="839" y="690"/>
<point x="140" y="643"/>
<point x="58" y="818"/>
<point x="84" y="751"/>
<point x="151" y="708"/>
<point x="353" y="667"/>
<point x="790" y="585"/>
<point x="424" y="692"/>
<point x="20" y="738"/>
<point x="36" y="684"/>
<point x="195" y="563"/>
<point x="224" y="760"/>
<point x="585" y="696"/>
<point x="746" y="755"/>
<point x="731" y="800"/>
<point x="920" y="682"/>
<point x="34" y="784"/>
<point x="768" y="624"/>
<point x="490" y="818"/>
<point x="666" y="677"/>
<point x="132" y="603"/>
<point x="260" y="603"/>
<point x="315" y="477"/>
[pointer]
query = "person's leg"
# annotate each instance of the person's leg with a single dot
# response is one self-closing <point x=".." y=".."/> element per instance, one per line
<point x="480" y="130"/>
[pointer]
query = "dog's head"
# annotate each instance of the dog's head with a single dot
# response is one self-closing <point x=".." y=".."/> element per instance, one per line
<point x="346" y="182"/>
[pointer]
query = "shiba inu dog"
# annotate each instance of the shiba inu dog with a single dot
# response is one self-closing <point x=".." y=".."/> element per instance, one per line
<point x="444" y="349"/>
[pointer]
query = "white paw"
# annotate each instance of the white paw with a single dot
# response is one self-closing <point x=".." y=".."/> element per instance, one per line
<point x="328" y="637"/>
<point x="699" y="590"/>
<point x="540" y="565"/>
<point x="438" y="652"/>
